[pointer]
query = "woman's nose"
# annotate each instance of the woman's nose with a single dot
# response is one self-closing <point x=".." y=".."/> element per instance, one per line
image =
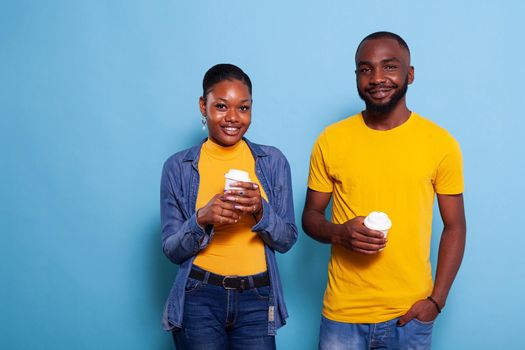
<point x="231" y="115"/>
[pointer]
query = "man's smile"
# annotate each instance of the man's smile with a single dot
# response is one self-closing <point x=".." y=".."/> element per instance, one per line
<point x="380" y="92"/>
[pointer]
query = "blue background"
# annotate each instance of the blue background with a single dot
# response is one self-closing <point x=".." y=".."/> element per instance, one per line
<point x="95" y="95"/>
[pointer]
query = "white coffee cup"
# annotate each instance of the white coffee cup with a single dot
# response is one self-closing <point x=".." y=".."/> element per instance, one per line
<point x="235" y="175"/>
<point x="378" y="221"/>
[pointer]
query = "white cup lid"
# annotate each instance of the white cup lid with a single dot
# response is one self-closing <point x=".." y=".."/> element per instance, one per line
<point x="237" y="175"/>
<point x="377" y="220"/>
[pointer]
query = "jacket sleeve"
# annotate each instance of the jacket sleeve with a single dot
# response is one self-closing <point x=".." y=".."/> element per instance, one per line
<point x="182" y="237"/>
<point x="277" y="225"/>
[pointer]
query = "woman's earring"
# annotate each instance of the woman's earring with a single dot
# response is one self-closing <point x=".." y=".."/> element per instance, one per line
<point x="203" y="121"/>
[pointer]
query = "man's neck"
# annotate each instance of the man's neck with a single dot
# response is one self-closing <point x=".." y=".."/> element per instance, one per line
<point x="388" y="120"/>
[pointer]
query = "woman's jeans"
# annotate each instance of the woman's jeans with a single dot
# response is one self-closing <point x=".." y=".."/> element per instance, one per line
<point x="219" y="318"/>
<point x="415" y="335"/>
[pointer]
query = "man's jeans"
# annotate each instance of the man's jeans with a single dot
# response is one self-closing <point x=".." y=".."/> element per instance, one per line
<point x="415" y="335"/>
<point x="218" y="318"/>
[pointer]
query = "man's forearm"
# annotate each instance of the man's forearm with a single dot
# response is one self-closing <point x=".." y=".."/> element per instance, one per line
<point x="316" y="226"/>
<point x="451" y="248"/>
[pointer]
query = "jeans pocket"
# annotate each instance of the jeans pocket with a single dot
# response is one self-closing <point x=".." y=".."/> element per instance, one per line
<point x="192" y="285"/>
<point x="423" y="323"/>
<point x="262" y="293"/>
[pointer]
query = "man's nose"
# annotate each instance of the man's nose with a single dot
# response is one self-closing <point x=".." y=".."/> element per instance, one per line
<point x="378" y="77"/>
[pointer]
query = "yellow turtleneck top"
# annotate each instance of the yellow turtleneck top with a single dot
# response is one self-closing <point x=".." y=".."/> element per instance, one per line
<point x="234" y="249"/>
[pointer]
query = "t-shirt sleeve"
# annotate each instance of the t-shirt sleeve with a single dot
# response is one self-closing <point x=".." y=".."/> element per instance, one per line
<point x="318" y="177"/>
<point x="449" y="175"/>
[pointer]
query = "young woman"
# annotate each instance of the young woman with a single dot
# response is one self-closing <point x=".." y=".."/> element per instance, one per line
<point x="227" y="293"/>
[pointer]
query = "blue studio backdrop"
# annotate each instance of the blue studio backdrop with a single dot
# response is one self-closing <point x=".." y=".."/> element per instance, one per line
<point x="95" y="95"/>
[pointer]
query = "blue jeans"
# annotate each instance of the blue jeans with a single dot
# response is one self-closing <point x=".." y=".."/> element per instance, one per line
<point x="415" y="335"/>
<point x="217" y="318"/>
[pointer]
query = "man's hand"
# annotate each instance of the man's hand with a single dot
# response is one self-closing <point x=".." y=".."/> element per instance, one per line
<point x="423" y="310"/>
<point x="354" y="235"/>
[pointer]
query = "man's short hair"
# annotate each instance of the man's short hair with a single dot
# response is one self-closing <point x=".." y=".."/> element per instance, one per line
<point x="385" y="35"/>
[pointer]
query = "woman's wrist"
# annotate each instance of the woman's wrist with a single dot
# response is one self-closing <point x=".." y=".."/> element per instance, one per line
<point x="198" y="219"/>
<point x="258" y="215"/>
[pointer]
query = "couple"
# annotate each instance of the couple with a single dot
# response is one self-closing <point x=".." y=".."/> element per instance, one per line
<point x="380" y="294"/>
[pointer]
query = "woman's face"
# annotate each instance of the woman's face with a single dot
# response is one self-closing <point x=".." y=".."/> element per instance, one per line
<point x="228" y="109"/>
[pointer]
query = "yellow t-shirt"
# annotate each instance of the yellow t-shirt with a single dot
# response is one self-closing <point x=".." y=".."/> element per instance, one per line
<point x="234" y="249"/>
<point x="397" y="172"/>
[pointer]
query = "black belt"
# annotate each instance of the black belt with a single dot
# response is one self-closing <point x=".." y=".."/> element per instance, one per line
<point x="231" y="282"/>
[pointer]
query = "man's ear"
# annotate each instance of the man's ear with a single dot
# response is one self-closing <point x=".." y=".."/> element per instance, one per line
<point x="411" y="75"/>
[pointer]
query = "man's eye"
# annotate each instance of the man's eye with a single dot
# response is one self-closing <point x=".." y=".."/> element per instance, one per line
<point x="390" y="67"/>
<point x="364" y="70"/>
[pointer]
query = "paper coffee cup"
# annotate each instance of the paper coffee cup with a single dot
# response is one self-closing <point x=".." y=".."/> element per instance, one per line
<point x="235" y="175"/>
<point x="378" y="221"/>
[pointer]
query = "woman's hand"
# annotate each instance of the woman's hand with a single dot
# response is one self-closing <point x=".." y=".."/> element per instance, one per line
<point x="246" y="199"/>
<point x="217" y="211"/>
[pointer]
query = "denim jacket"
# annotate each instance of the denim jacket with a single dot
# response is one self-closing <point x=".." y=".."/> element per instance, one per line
<point x="182" y="238"/>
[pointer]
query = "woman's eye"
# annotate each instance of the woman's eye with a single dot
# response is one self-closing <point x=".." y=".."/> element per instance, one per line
<point x="220" y="106"/>
<point x="245" y="108"/>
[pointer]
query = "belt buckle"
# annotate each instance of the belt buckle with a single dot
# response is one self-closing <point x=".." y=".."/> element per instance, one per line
<point x="224" y="282"/>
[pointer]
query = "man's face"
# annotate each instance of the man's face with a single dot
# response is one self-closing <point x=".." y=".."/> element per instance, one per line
<point x="383" y="73"/>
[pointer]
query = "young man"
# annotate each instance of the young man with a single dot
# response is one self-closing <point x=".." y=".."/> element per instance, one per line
<point x="380" y="292"/>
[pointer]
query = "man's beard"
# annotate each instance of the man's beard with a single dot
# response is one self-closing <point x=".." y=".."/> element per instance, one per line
<point x="382" y="109"/>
